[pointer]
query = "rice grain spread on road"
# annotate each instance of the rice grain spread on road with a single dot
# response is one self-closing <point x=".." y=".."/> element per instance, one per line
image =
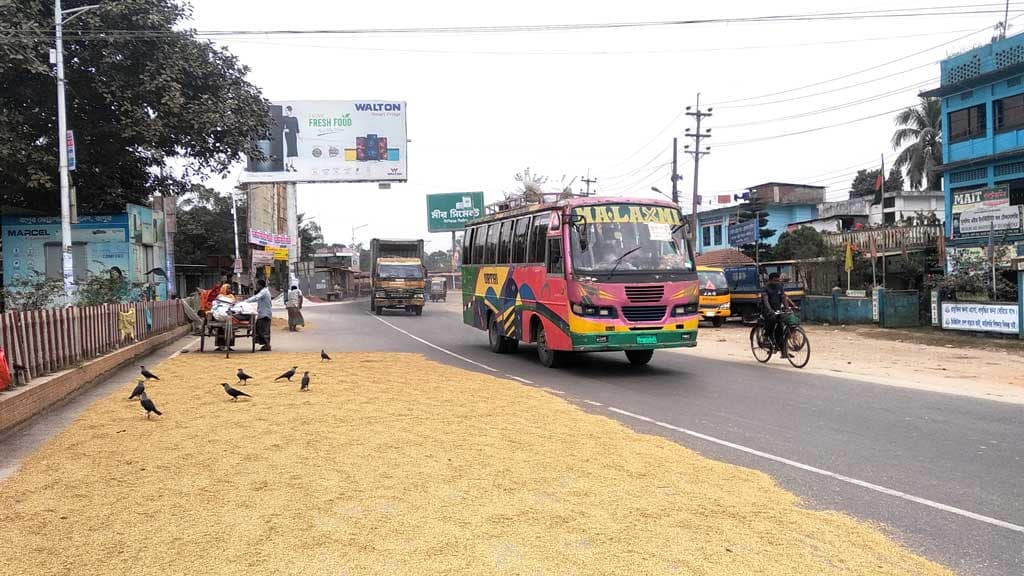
<point x="393" y="464"/>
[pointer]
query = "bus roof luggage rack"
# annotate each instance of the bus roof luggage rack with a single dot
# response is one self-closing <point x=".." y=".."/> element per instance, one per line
<point x="522" y="200"/>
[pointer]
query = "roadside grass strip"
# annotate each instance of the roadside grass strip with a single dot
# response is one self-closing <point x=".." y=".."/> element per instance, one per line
<point x="393" y="464"/>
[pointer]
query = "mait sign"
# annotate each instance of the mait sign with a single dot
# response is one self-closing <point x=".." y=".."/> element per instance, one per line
<point x="447" y="212"/>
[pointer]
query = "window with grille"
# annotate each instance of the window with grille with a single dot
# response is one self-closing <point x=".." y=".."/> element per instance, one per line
<point x="1009" y="113"/>
<point x="967" y="124"/>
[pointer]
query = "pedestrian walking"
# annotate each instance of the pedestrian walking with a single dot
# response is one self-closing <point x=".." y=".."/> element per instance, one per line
<point x="294" y="306"/>
<point x="263" y="314"/>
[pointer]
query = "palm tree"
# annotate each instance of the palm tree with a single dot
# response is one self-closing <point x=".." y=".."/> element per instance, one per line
<point x="921" y="126"/>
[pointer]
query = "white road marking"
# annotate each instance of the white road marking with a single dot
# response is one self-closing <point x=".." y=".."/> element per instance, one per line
<point x="434" y="346"/>
<point x="183" y="349"/>
<point x="592" y="403"/>
<point x="523" y="380"/>
<point x="552" y="390"/>
<point x="840" y="477"/>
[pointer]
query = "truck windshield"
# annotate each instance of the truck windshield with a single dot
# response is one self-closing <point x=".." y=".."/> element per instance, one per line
<point x="648" y="246"/>
<point x="712" y="281"/>
<point x="400" y="271"/>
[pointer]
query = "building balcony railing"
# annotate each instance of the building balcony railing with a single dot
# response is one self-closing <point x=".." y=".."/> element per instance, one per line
<point x="887" y="239"/>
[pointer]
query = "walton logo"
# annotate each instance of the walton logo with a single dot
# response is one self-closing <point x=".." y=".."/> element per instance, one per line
<point x="378" y="107"/>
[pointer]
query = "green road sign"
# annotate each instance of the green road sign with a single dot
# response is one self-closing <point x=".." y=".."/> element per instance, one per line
<point x="452" y="211"/>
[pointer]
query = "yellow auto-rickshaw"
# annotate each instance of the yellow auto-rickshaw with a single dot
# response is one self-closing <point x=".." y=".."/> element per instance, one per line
<point x="438" y="289"/>
<point x="714" y="295"/>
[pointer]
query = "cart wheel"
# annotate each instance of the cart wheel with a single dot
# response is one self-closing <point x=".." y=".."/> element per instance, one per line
<point x="202" y="337"/>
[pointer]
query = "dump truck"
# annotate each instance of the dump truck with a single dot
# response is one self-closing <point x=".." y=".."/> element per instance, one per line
<point x="397" y="275"/>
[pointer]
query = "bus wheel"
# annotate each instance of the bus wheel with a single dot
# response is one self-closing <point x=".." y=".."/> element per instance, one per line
<point x="418" y="310"/>
<point x="378" y="310"/>
<point x="639" y="357"/>
<point x="717" y="321"/>
<point x="497" y="340"/>
<point x="548" y="357"/>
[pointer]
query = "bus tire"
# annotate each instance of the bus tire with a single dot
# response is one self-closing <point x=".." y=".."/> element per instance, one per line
<point x="378" y="310"/>
<point x="498" y="342"/>
<point x="639" y="357"/>
<point x="717" y="321"/>
<point x="548" y="357"/>
<point x="418" y="310"/>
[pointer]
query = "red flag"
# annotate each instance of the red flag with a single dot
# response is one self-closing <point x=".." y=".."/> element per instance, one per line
<point x="879" y="181"/>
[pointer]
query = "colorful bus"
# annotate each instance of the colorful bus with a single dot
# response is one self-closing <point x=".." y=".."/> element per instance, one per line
<point x="581" y="274"/>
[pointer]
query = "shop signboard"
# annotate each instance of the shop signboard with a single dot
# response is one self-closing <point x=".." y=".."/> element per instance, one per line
<point x="978" y="317"/>
<point x="981" y="211"/>
<point x="446" y="212"/>
<point x="261" y="238"/>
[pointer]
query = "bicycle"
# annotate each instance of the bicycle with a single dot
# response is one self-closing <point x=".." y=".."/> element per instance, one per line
<point x="796" y="347"/>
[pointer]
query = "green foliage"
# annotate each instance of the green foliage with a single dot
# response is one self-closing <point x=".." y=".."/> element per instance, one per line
<point x="800" y="244"/>
<point x="919" y="132"/>
<point x="136" y="104"/>
<point x="439" y="261"/>
<point x="757" y="209"/>
<point x="205" y="226"/>
<point x="106" y="287"/>
<point x="863" y="184"/>
<point x="310" y="237"/>
<point x="31" y="293"/>
<point x="970" y="278"/>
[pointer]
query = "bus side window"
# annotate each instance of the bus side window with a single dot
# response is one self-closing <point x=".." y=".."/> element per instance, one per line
<point x="491" y="250"/>
<point x="479" y="235"/>
<point x="538" y="238"/>
<point x="555" y="256"/>
<point x="519" y="242"/>
<point x="467" y="246"/>
<point x="504" y="243"/>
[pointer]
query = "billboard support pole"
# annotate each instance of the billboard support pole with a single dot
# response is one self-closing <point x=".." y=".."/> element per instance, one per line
<point x="293" y="234"/>
<point x="453" y="256"/>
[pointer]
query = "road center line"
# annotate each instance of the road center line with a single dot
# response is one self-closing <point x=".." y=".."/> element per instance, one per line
<point x="434" y="346"/>
<point x="523" y="380"/>
<point x="840" y="477"/>
<point x="592" y="403"/>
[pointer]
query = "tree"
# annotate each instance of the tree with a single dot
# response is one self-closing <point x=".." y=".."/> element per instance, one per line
<point x="803" y="243"/>
<point x="205" y="226"/>
<point x="439" y="261"/>
<point x="864" y="183"/>
<point x="138" y="103"/>
<point x="919" y="133"/>
<point x="310" y="237"/>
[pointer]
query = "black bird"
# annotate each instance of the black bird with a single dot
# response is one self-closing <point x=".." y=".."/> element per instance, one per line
<point x="147" y="374"/>
<point x="305" y="382"/>
<point x="324" y="356"/>
<point x="243" y="378"/>
<point x="140" y="389"/>
<point x="232" y="392"/>
<point x="149" y="406"/>
<point x="289" y="374"/>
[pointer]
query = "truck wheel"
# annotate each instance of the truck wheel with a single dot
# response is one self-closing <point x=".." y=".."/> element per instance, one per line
<point x="639" y="357"/>
<point x="548" y="357"/>
<point x="418" y="310"/>
<point x="378" y="310"/>
<point x="717" y="321"/>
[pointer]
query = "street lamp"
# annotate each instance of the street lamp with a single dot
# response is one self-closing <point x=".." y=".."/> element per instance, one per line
<point x="655" y="188"/>
<point x="67" y="263"/>
<point x="354" y="228"/>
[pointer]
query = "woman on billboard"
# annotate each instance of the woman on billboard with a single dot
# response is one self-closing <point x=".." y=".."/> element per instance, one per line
<point x="291" y="132"/>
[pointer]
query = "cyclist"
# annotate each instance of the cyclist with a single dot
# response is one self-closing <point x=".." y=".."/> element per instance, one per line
<point x="773" y="302"/>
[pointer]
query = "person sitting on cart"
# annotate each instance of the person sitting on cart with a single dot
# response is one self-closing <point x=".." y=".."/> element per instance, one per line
<point x="226" y="297"/>
<point x="264" y="313"/>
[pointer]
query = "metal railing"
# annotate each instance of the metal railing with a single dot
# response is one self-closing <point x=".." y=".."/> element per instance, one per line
<point x="40" y="342"/>
<point x="887" y="239"/>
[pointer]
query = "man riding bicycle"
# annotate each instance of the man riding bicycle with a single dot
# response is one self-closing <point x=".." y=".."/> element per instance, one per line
<point x="773" y="303"/>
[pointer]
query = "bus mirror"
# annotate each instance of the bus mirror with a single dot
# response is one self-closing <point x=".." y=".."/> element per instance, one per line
<point x="579" y="223"/>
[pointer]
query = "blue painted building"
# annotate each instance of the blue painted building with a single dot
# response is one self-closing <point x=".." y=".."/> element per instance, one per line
<point x="132" y="242"/>
<point x="982" y="95"/>
<point x="784" y="204"/>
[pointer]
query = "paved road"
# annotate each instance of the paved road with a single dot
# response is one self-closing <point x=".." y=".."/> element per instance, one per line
<point x="919" y="452"/>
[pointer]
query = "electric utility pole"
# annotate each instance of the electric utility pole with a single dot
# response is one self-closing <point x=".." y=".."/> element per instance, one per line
<point x="675" y="171"/>
<point x="697" y="153"/>
<point x="588" y="181"/>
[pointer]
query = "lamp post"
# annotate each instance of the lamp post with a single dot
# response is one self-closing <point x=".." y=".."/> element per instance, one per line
<point x="67" y="263"/>
<point x="354" y="228"/>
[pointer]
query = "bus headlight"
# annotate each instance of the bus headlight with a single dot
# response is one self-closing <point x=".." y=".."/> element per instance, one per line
<point x="587" y="310"/>
<point x="724" y="306"/>
<point x="684" y="309"/>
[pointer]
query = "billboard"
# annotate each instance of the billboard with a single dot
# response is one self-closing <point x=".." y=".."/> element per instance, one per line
<point x="744" y="233"/>
<point x="446" y="212"/>
<point x="981" y="211"/>
<point x="332" y="141"/>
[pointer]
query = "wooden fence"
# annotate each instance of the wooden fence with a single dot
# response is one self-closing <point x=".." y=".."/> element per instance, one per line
<point x="887" y="239"/>
<point x="40" y="342"/>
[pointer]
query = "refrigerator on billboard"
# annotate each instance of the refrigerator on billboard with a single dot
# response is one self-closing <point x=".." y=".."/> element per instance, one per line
<point x="361" y="149"/>
<point x="382" y="148"/>
<point x="372" y="147"/>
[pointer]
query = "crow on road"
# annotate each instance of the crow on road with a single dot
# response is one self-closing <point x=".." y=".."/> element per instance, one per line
<point x="324" y="356"/>
<point x="232" y="392"/>
<point x="289" y="374"/>
<point x="147" y="374"/>
<point x="243" y="378"/>
<point x="139" y="390"/>
<point x="305" y="382"/>
<point x="149" y="406"/>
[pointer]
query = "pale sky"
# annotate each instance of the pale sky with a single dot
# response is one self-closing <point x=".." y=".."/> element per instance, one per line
<point x="482" y="107"/>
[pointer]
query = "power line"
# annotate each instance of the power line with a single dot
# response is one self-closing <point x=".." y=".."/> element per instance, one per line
<point x="954" y="10"/>
<point x="809" y="130"/>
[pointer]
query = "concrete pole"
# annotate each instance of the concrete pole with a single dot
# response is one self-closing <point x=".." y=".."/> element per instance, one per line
<point x="293" y="234"/>
<point x="67" y="263"/>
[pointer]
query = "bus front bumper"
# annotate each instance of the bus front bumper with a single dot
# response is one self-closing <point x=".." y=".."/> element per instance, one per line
<point x="634" y="340"/>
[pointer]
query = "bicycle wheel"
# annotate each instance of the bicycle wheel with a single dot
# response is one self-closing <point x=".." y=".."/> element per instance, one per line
<point x="760" y="344"/>
<point x="800" y="356"/>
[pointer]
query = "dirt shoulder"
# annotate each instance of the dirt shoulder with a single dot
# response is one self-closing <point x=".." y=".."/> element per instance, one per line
<point x="920" y="358"/>
<point x="392" y="464"/>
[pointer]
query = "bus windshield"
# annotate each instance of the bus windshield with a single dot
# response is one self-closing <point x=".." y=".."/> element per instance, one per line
<point x="623" y="245"/>
<point x="406" y="271"/>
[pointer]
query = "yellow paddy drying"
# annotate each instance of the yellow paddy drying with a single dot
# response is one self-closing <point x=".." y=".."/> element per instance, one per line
<point x="395" y="465"/>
